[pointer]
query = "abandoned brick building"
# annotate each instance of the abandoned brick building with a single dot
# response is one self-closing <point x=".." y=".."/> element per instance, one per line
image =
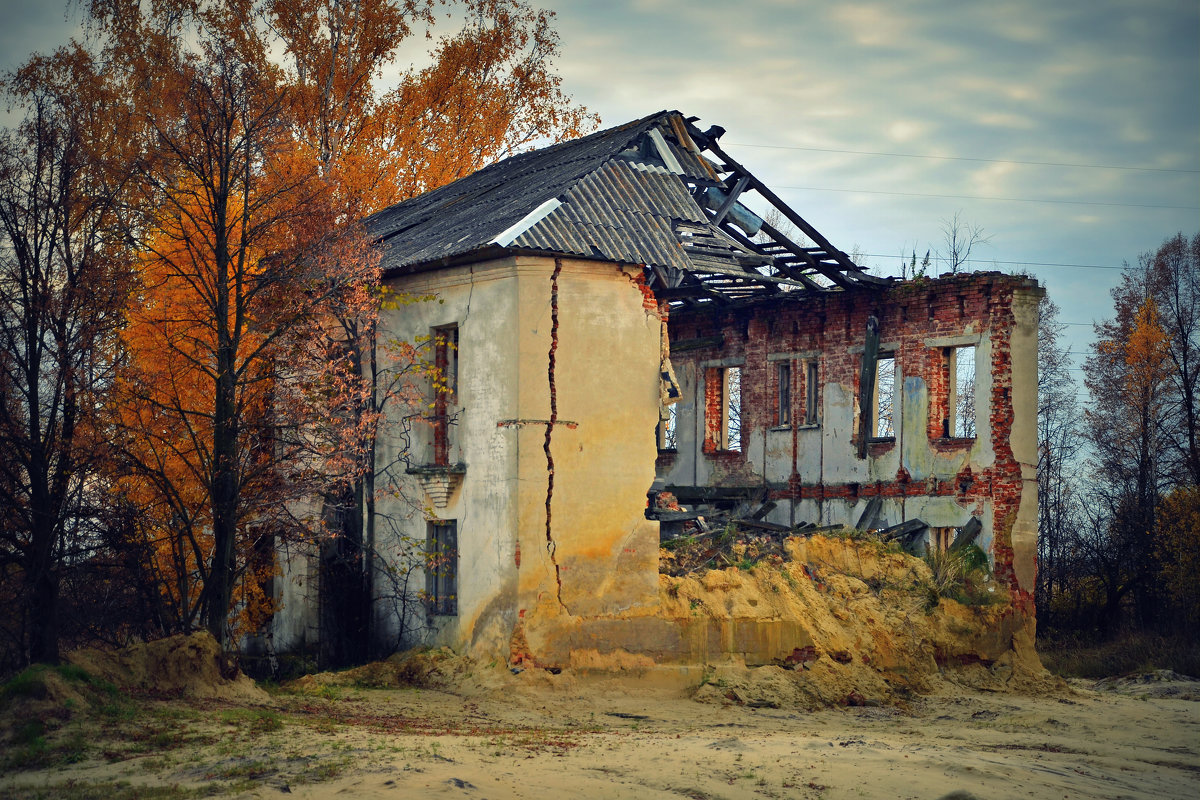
<point x="614" y="321"/>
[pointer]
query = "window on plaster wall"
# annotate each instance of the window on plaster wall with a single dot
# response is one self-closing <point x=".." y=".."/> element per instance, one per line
<point x="441" y="567"/>
<point x="962" y="392"/>
<point x="940" y="539"/>
<point x="445" y="389"/>
<point x="811" y="392"/>
<point x="723" y="408"/>
<point x="668" y="426"/>
<point x="783" y="394"/>
<point x="885" y="397"/>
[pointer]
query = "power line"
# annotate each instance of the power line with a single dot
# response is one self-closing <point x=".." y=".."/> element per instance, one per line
<point x="966" y="158"/>
<point x="1012" y="263"/>
<point x="986" y="197"/>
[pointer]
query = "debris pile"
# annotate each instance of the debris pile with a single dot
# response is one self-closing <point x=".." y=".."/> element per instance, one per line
<point x="185" y="665"/>
<point x="868" y="622"/>
<point x="727" y="527"/>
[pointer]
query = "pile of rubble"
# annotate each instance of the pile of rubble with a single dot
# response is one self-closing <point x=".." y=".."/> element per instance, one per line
<point x="727" y="529"/>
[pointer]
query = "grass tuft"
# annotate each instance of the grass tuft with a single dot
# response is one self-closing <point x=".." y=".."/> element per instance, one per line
<point x="1073" y="657"/>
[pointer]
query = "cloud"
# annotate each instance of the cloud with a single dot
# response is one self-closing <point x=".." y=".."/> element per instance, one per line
<point x="872" y="25"/>
<point x="907" y="130"/>
<point x="1002" y="120"/>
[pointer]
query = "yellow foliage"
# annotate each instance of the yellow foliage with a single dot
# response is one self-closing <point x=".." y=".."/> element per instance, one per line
<point x="1178" y="550"/>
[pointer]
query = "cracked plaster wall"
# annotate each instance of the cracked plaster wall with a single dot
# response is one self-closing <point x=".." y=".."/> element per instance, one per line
<point x="606" y="354"/>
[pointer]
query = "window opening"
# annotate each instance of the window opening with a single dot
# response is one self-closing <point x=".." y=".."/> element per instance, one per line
<point x="441" y="567"/>
<point x="784" y="394"/>
<point x="668" y="425"/>
<point x="811" y="391"/>
<point x="885" y="396"/>
<point x="733" y="409"/>
<point x="445" y="388"/>
<point x="722" y="409"/>
<point x="962" y="389"/>
<point x="941" y="539"/>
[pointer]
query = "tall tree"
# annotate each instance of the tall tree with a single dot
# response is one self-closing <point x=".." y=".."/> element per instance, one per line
<point x="1142" y="379"/>
<point x="1059" y="451"/>
<point x="237" y="249"/>
<point x="267" y="140"/>
<point x="62" y="286"/>
<point x="488" y="92"/>
<point x="1173" y="280"/>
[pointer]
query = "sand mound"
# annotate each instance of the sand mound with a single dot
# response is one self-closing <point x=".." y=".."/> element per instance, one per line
<point x="440" y="668"/>
<point x="50" y="694"/>
<point x="868" y="627"/>
<point x="1157" y="683"/>
<point x="186" y="665"/>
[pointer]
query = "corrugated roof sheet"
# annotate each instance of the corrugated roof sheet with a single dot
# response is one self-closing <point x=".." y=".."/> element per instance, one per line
<point x="624" y="194"/>
<point x="468" y="214"/>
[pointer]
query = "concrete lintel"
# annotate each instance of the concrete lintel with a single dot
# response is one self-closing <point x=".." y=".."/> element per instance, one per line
<point x="734" y="361"/>
<point x="887" y="348"/>
<point x="964" y="340"/>
<point x="800" y="355"/>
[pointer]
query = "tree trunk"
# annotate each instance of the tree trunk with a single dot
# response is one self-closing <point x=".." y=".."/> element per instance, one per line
<point x="224" y="492"/>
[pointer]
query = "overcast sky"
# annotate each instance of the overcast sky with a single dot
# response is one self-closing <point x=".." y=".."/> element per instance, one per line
<point x="1068" y="130"/>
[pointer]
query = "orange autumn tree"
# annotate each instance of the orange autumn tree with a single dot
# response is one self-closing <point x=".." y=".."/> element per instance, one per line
<point x="489" y="92"/>
<point x="237" y="251"/>
<point x="255" y="374"/>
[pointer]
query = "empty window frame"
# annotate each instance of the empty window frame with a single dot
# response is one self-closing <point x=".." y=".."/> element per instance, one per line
<point x="441" y="567"/>
<point x="783" y="393"/>
<point x="940" y="539"/>
<point x="733" y="408"/>
<point x="811" y="392"/>
<point x="886" y="418"/>
<point x="723" y="408"/>
<point x="961" y="402"/>
<point x="668" y="427"/>
<point x="445" y="389"/>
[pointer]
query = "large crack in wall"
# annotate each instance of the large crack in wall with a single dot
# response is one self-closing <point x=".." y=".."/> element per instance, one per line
<point x="551" y="547"/>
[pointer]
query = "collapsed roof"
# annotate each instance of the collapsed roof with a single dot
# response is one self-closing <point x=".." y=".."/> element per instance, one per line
<point x="644" y="194"/>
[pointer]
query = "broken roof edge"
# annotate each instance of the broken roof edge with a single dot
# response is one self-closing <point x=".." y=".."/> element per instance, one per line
<point x="515" y="160"/>
<point x="496" y="252"/>
<point x="946" y="281"/>
<point x="515" y="204"/>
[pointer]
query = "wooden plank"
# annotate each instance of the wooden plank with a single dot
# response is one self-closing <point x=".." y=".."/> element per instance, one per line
<point x="703" y="493"/>
<point x="764" y="509"/>
<point x="905" y="530"/>
<point x="967" y="534"/>
<point x="815" y="529"/>
<point x="745" y="242"/>
<point x="866" y="386"/>
<point x="869" y="514"/>
<point x="837" y="276"/>
<point x="738" y="188"/>
<point x="762" y="526"/>
<point x="683" y="345"/>
<point x="663" y="515"/>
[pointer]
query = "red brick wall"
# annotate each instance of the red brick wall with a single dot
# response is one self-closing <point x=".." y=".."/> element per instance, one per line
<point x="833" y="323"/>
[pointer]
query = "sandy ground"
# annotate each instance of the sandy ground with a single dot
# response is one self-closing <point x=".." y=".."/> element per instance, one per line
<point x="537" y="734"/>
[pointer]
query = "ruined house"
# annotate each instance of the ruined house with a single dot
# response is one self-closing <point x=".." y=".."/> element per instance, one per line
<point x="613" y="322"/>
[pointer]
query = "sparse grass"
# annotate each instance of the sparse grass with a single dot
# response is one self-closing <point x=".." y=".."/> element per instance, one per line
<point x="252" y="720"/>
<point x="963" y="575"/>
<point x="120" y="790"/>
<point x="324" y="770"/>
<point x="1132" y="653"/>
<point x="31" y="682"/>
